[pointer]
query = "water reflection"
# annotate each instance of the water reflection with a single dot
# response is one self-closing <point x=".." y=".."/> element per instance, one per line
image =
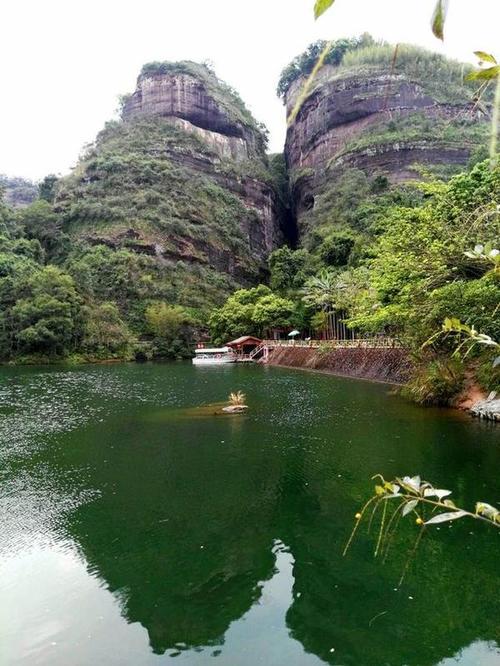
<point x="136" y="535"/>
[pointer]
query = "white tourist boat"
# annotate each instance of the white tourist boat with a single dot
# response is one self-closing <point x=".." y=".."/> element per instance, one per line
<point x="214" y="356"/>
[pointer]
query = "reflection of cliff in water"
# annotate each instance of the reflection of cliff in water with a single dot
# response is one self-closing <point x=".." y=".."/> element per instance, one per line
<point x="184" y="533"/>
<point x="183" y="544"/>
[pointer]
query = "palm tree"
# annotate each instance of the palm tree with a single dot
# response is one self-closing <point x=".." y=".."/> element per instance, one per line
<point x="320" y="292"/>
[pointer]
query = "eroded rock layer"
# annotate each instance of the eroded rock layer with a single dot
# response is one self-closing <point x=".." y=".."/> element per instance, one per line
<point x="383" y="123"/>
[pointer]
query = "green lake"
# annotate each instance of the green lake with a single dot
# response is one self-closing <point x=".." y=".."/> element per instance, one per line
<point x="136" y="528"/>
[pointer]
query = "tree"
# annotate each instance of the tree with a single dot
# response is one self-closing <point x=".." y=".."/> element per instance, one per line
<point x="336" y="249"/>
<point x="172" y="328"/>
<point x="289" y="269"/>
<point x="319" y="290"/>
<point x="47" y="188"/>
<point x="252" y="312"/>
<point x="43" y="224"/>
<point x="166" y="320"/>
<point x="104" y="331"/>
<point x="47" y="318"/>
<point x="273" y="311"/>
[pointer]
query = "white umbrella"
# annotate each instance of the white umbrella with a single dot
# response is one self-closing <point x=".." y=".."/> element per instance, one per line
<point x="293" y="333"/>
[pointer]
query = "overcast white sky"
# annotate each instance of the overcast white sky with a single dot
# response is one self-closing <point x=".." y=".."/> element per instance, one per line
<point x="63" y="63"/>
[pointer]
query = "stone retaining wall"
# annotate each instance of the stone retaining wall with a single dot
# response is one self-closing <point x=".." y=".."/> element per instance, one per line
<point x="384" y="365"/>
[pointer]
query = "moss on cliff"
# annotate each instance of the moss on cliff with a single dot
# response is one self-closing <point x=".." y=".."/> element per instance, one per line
<point x="133" y="180"/>
<point x="362" y="57"/>
<point x="401" y="131"/>
<point x="438" y="75"/>
<point x="159" y="208"/>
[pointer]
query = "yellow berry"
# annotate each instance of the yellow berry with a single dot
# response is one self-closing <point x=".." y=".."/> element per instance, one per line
<point x="419" y="521"/>
<point x="357" y="516"/>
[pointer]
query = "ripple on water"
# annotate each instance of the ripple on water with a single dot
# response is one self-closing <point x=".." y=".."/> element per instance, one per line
<point x="33" y="510"/>
<point x="35" y="407"/>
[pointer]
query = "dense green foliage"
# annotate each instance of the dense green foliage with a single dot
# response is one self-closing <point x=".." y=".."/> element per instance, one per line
<point x="420" y="272"/>
<point x="253" y="311"/>
<point x="348" y="212"/>
<point x="290" y="269"/>
<point x="302" y="65"/>
<point x="445" y="79"/>
<point x="96" y="304"/>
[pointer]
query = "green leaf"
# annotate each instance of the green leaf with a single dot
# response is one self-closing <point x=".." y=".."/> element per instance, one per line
<point x="484" y="74"/>
<point x="443" y="517"/>
<point x="320" y="7"/>
<point x="485" y="57"/>
<point x="439" y="17"/>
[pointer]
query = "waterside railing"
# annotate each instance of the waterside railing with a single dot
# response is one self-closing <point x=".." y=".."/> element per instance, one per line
<point x="363" y="343"/>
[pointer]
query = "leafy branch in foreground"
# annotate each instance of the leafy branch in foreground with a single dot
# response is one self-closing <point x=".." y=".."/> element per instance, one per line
<point x="486" y="253"/>
<point x="471" y="337"/>
<point x="320" y="6"/>
<point x="416" y="497"/>
<point x="484" y="74"/>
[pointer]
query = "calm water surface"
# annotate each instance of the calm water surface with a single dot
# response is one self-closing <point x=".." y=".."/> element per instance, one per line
<point x="134" y="530"/>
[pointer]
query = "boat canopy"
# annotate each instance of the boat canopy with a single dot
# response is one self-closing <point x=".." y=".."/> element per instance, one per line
<point x="213" y="350"/>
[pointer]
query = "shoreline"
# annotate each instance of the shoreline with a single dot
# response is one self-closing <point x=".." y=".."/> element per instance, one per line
<point x="331" y="373"/>
<point x="385" y="365"/>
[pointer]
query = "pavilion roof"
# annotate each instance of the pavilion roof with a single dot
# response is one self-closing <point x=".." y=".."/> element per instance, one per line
<point x="244" y="339"/>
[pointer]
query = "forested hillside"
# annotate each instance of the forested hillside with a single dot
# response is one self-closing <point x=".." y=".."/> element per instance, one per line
<point x="176" y="207"/>
<point x="385" y="240"/>
<point x="168" y="211"/>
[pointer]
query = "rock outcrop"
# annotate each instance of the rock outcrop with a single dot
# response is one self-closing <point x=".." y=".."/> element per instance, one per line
<point x="488" y="409"/>
<point x="183" y="177"/>
<point x="385" y="120"/>
<point x="18" y="192"/>
<point x="183" y="91"/>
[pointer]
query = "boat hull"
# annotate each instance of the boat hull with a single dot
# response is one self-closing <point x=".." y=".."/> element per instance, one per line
<point x="213" y="361"/>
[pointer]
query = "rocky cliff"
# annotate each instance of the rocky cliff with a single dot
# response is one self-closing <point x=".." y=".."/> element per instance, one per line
<point x="18" y="192"/>
<point x="381" y="112"/>
<point x="183" y="177"/>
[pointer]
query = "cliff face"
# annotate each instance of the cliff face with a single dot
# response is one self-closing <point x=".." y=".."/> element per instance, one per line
<point x="18" y="192"/>
<point x="366" y="117"/>
<point x="183" y="177"/>
<point x="179" y="94"/>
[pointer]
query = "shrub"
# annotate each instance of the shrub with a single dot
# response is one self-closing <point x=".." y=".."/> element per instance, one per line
<point x="336" y="249"/>
<point x="436" y="383"/>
